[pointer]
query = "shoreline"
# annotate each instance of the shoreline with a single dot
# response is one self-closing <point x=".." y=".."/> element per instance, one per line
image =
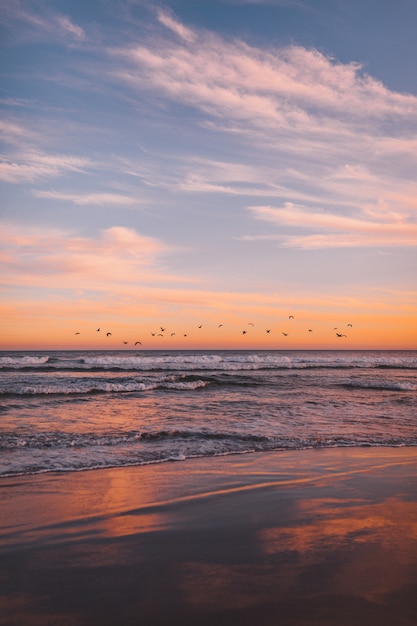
<point x="322" y="536"/>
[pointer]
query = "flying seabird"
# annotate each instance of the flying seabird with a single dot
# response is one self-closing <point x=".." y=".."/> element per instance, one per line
<point x="291" y="317"/>
<point x="77" y="333"/>
<point x="201" y="326"/>
<point x="243" y="332"/>
<point x="185" y="335"/>
<point x="268" y="330"/>
<point x="220" y="325"/>
<point x="172" y="334"/>
<point x="285" y="334"/>
<point x="251" y="324"/>
<point x="162" y="329"/>
<point x="98" y="330"/>
<point x="350" y="325"/>
<point x="108" y="334"/>
<point x="340" y="335"/>
<point x="138" y="342"/>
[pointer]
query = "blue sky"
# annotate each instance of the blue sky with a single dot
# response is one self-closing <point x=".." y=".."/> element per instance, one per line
<point x="224" y="160"/>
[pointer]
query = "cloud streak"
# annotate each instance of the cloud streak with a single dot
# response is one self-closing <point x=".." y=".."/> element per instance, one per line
<point x="97" y="199"/>
<point x="340" y="231"/>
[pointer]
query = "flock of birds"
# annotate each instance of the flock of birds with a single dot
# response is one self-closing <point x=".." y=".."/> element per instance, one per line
<point x="163" y="330"/>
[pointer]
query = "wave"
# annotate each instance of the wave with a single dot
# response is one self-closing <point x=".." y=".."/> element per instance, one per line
<point x="382" y="385"/>
<point x="213" y="361"/>
<point x="68" y="452"/>
<point x="81" y="386"/>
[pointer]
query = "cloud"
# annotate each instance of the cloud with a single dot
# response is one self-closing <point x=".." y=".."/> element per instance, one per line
<point x="56" y="258"/>
<point x="32" y="166"/>
<point x="176" y="27"/>
<point x="302" y="126"/>
<point x="392" y="229"/>
<point x="56" y="25"/>
<point x="283" y="86"/>
<point x="98" y="199"/>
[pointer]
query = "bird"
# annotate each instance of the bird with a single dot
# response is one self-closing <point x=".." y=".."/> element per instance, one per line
<point x="220" y="325"/>
<point x="268" y="330"/>
<point x="172" y="334"/>
<point x="98" y="330"/>
<point x="138" y="342"/>
<point x="340" y="335"/>
<point x="201" y="326"/>
<point x="185" y="335"/>
<point x="251" y="324"/>
<point x="160" y="335"/>
<point x="153" y="334"/>
<point x="291" y="317"/>
<point x="243" y="332"/>
<point x="350" y="325"/>
<point x="162" y="329"/>
<point x="310" y="330"/>
<point x="77" y="333"/>
<point x="285" y="334"/>
<point x="108" y="334"/>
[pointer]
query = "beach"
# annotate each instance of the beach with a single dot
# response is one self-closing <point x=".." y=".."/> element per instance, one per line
<point x="323" y="537"/>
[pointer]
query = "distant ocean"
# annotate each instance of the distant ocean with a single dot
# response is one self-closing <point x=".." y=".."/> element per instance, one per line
<point x="70" y="411"/>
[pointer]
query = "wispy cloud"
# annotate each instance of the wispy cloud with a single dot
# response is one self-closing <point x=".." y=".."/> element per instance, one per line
<point x="392" y="229"/>
<point x="175" y="26"/>
<point x="32" y="166"/>
<point x="303" y="127"/>
<point x="81" y="199"/>
<point x="50" y="22"/>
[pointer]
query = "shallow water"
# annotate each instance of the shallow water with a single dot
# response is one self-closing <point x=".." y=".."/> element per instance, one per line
<point x="68" y="411"/>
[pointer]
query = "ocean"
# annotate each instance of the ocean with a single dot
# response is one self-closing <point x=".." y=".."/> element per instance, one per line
<point x="66" y="411"/>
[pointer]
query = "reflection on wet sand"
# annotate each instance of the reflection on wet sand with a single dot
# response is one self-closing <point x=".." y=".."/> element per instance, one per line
<point x="317" y="539"/>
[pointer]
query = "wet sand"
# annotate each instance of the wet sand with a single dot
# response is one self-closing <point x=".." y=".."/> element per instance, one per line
<point x="323" y="537"/>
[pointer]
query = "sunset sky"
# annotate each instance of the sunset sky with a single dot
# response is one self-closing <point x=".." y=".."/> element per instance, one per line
<point x="205" y="162"/>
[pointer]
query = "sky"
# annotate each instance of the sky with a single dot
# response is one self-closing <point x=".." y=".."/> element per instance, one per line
<point x="216" y="168"/>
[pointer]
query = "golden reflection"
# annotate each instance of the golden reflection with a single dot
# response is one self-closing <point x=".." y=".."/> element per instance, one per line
<point x="391" y="523"/>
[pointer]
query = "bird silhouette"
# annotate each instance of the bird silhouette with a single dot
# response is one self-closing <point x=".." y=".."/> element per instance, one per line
<point x="108" y="334"/>
<point x="291" y="317"/>
<point x="251" y="324"/>
<point x="98" y="330"/>
<point x="162" y="329"/>
<point x="201" y="326"/>
<point x="220" y="325"/>
<point x="172" y="334"/>
<point x="340" y="335"/>
<point x="138" y="342"/>
<point x="77" y="333"/>
<point x="350" y="325"/>
<point x="285" y="334"/>
<point x="243" y="332"/>
<point x="268" y="330"/>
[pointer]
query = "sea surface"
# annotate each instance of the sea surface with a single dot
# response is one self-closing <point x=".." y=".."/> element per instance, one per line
<point x="71" y="411"/>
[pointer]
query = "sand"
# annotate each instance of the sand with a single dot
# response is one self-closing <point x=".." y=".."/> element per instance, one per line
<point x="323" y="537"/>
